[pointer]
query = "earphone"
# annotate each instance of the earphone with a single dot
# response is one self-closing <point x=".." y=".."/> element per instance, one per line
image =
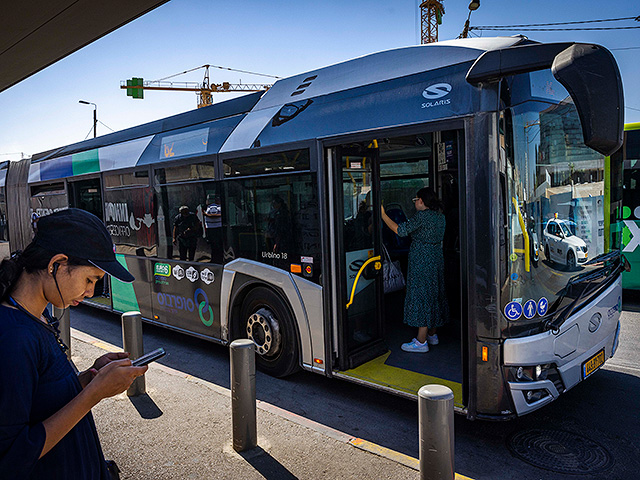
<point x="54" y="270"/>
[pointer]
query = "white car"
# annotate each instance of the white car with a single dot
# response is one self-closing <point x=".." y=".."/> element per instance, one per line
<point x="562" y="246"/>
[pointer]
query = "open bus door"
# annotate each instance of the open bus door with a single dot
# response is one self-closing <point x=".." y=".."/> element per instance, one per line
<point x="370" y="330"/>
<point x="357" y="219"/>
<point x="86" y="194"/>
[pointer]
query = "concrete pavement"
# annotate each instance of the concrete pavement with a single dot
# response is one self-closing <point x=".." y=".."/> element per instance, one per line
<point x="182" y="430"/>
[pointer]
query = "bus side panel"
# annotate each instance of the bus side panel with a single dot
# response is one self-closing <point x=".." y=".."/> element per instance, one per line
<point x="187" y="295"/>
<point x="134" y="296"/>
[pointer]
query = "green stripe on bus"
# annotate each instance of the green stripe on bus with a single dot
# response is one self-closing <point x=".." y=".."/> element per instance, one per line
<point x="85" y="162"/>
<point x="123" y="295"/>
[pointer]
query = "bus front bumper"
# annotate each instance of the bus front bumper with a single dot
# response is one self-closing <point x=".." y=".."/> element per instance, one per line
<point x="566" y="357"/>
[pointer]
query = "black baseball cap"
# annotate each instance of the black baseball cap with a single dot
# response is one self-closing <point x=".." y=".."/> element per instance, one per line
<point x="80" y="234"/>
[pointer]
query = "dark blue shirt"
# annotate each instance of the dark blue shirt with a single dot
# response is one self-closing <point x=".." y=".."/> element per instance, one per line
<point x="37" y="380"/>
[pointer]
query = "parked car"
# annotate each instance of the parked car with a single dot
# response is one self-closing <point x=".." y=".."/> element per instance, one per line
<point x="561" y="245"/>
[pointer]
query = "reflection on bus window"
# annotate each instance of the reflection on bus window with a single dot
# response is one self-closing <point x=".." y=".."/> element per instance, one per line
<point x="554" y="189"/>
<point x="130" y="218"/>
<point x="182" y="224"/>
<point x="274" y="220"/>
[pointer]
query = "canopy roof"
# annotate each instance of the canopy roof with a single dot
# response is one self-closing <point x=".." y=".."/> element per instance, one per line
<point x="37" y="33"/>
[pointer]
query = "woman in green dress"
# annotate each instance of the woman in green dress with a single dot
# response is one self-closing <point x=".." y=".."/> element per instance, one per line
<point x="425" y="304"/>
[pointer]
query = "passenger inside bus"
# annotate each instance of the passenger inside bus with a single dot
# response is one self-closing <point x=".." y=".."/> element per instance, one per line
<point x="426" y="305"/>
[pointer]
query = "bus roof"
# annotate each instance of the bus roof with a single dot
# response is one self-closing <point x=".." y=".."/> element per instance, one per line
<point x="378" y="90"/>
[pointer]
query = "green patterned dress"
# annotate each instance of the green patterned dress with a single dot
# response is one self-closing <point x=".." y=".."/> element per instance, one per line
<point x="425" y="304"/>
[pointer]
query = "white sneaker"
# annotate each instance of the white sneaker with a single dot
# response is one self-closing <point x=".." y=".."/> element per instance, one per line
<point x="433" y="339"/>
<point x="415" y="346"/>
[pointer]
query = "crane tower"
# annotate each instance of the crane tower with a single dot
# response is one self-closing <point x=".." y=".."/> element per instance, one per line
<point x="431" y="12"/>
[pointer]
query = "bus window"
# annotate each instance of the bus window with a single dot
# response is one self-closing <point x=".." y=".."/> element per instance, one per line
<point x="48" y="198"/>
<point x="181" y="221"/>
<point x="555" y="194"/>
<point x="4" y="233"/>
<point x="274" y="220"/>
<point x="129" y="215"/>
<point x="291" y="161"/>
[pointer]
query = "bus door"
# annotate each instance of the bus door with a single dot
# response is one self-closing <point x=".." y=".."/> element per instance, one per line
<point x="357" y="219"/>
<point x="87" y="195"/>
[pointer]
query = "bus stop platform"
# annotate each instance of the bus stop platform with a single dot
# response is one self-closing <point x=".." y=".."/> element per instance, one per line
<point x="181" y="429"/>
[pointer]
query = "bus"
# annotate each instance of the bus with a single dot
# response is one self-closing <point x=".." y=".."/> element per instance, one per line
<point x="629" y="155"/>
<point x="259" y="217"/>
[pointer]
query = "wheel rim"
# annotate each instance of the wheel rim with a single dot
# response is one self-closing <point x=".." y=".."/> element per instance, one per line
<point x="264" y="330"/>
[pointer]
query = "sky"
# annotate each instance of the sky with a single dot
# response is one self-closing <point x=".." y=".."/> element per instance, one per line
<point x="280" y="37"/>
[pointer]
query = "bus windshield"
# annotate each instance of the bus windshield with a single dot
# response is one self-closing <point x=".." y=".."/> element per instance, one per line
<point x="556" y="202"/>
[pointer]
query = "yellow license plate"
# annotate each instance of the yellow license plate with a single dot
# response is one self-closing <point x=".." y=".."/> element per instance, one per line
<point x="593" y="364"/>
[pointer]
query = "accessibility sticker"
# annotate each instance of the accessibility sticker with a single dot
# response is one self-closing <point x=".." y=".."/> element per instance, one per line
<point x="529" y="309"/>
<point x="513" y="310"/>
<point x="543" y="306"/>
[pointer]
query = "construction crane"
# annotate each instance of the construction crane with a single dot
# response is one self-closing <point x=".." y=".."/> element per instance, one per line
<point x="431" y="12"/>
<point x="205" y="90"/>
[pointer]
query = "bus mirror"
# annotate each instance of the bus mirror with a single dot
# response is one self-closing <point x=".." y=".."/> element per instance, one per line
<point x="588" y="72"/>
<point x="591" y="76"/>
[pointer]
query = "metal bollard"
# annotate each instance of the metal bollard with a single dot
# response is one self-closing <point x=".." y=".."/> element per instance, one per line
<point x="243" y="395"/>
<point x="132" y="343"/>
<point x="435" y="417"/>
<point x="64" y="325"/>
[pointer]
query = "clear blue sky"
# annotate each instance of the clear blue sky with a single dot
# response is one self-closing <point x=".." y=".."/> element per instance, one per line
<point x="282" y="37"/>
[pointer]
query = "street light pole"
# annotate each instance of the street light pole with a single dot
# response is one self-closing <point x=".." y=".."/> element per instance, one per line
<point x="473" y="6"/>
<point x="95" y="116"/>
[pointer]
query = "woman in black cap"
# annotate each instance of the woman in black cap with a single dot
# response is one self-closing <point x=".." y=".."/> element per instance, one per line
<point x="46" y="427"/>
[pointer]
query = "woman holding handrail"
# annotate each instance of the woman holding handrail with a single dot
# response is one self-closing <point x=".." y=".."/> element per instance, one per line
<point x="425" y="305"/>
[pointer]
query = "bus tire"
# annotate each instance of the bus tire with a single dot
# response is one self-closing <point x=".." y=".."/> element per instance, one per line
<point x="267" y="321"/>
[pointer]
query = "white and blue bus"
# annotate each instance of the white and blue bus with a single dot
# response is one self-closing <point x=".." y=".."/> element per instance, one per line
<point x="259" y="217"/>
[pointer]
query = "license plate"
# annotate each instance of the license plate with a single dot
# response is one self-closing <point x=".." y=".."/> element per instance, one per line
<point x="593" y="364"/>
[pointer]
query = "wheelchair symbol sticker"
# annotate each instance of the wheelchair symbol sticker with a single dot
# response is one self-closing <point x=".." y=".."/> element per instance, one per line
<point x="513" y="310"/>
<point x="543" y="306"/>
<point x="529" y="309"/>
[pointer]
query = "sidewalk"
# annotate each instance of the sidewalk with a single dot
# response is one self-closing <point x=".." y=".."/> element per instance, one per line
<point x="182" y="430"/>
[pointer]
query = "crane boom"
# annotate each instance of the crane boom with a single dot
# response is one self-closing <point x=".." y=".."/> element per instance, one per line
<point x="205" y="90"/>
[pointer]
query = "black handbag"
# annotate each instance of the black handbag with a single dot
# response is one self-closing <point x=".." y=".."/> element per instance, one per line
<point x="113" y="469"/>
<point x="391" y="274"/>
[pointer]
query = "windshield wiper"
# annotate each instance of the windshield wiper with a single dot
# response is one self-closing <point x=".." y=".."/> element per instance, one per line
<point x="558" y="318"/>
<point x="604" y="257"/>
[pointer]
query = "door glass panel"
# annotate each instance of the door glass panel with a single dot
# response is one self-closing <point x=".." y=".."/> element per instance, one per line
<point x="359" y="246"/>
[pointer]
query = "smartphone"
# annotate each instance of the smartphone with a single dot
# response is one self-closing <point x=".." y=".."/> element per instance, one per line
<point x="149" y="357"/>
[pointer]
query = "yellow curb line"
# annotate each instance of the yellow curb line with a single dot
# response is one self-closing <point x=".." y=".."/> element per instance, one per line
<point x="359" y="443"/>
<point x="376" y="449"/>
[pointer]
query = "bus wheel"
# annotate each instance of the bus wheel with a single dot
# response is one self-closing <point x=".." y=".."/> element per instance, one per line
<point x="267" y="321"/>
<point x="571" y="260"/>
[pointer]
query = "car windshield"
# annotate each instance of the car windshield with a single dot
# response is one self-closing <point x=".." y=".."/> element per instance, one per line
<point x="565" y="230"/>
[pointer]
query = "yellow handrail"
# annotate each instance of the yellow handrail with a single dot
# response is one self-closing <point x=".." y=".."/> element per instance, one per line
<point x="355" y="282"/>
<point x="527" y="253"/>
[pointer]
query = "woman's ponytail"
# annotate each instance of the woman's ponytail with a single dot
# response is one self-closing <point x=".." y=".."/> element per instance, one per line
<point x="10" y="270"/>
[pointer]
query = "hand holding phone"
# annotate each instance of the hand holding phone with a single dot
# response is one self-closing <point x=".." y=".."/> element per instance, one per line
<point x="149" y="357"/>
